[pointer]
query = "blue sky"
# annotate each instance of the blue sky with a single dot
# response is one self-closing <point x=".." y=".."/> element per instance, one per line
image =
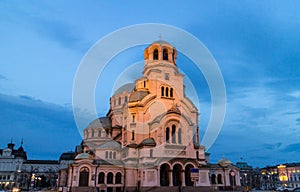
<point x="255" y="43"/>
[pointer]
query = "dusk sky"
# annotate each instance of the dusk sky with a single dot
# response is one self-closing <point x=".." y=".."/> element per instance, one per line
<point x="255" y="43"/>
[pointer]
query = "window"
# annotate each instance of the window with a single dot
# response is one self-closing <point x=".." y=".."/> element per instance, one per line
<point x="115" y="102"/>
<point x="162" y="91"/>
<point x="118" y="178"/>
<point x="93" y="133"/>
<point x="155" y="54"/>
<point x="167" y="135"/>
<point x="167" y="91"/>
<point x="167" y="76"/>
<point x="197" y="155"/>
<point x="119" y="100"/>
<point x="110" y="155"/>
<point x="179" y="136"/>
<point x="144" y="84"/>
<point x="219" y="178"/>
<point x="99" y="133"/>
<point x="213" y="179"/>
<point x="151" y="152"/>
<point x="101" y="178"/>
<point x="173" y="134"/>
<point x="132" y="135"/>
<point x="109" y="179"/>
<point x="133" y="118"/>
<point x="106" y="154"/>
<point x="165" y="54"/>
<point x="114" y="156"/>
<point x="126" y="98"/>
<point x="173" y="55"/>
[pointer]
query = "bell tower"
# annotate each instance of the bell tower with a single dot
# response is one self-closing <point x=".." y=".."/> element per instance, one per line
<point x="161" y="70"/>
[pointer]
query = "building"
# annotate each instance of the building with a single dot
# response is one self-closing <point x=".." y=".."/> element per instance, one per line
<point x="149" y="138"/>
<point x="282" y="175"/>
<point x="250" y="177"/>
<point x="11" y="161"/>
<point x="17" y="171"/>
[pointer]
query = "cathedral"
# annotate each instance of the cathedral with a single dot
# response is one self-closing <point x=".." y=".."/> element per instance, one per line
<point x="149" y="140"/>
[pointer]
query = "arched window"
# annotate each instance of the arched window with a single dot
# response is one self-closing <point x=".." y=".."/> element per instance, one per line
<point x="110" y="155"/>
<point x="126" y="98"/>
<point x="167" y="135"/>
<point x="173" y="55"/>
<point x="87" y="134"/>
<point x="99" y="133"/>
<point x="213" y="179"/>
<point x="219" y="178"/>
<point x="118" y="178"/>
<point x="101" y="178"/>
<point x="114" y="155"/>
<point x="119" y="100"/>
<point x="106" y="154"/>
<point x="165" y="54"/>
<point x="173" y="134"/>
<point x="144" y="84"/>
<point x="197" y="155"/>
<point x="132" y="135"/>
<point x="179" y="136"/>
<point x="171" y="92"/>
<point x="109" y="179"/>
<point x="115" y="102"/>
<point x="151" y="152"/>
<point x="167" y="91"/>
<point x="155" y="54"/>
<point x="162" y="91"/>
<point x="84" y="177"/>
<point x="93" y="133"/>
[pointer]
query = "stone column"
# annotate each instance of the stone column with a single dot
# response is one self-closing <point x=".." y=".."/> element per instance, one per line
<point x="183" y="177"/>
<point x="171" y="178"/>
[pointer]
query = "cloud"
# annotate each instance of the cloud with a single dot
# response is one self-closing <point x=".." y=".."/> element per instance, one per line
<point x="47" y="23"/>
<point x="2" y="77"/>
<point x="295" y="147"/>
<point x="41" y="125"/>
<point x="295" y="94"/>
<point x="60" y="32"/>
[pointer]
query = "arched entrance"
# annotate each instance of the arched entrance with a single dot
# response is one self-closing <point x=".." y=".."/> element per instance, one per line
<point x="84" y="177"/>
<point x="187" y="175"/>
<point x="177" y="169"/>
<point x="164" y="175"/>
<point x="232" y="178"/>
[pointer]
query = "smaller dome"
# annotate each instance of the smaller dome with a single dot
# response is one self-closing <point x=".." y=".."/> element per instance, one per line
<point x="149" y="142"/>
<point x="132" y="145"/>
<point x="83" y="156"/>
<point x="137" y="95"/>
<point x="161" y="42"/>
<point x="102" y="122"/>
<point x="125" y="88"/>
<point x="224" y="162"/>
<point x="67" y="156"/>
<point x="110" y="145"/>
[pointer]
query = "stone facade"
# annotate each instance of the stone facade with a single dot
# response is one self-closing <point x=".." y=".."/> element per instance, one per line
<point x="149" y="138"/>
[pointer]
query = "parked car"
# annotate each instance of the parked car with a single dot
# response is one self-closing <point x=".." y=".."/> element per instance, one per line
<point x="288" y="188"/>
<point x="296" y="189"/>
